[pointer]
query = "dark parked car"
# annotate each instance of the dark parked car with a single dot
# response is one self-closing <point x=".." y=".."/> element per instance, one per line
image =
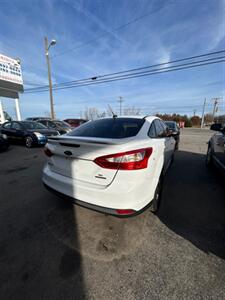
<point x="4" y="143"/>
<point x="75" y="122"/>
<point x="61" y="126"/>
<point x="28" y="132"/>
<point x="216" y="147"/>
<point x="175" y="131"/>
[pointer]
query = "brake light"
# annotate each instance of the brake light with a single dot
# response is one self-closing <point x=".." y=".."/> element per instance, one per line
<point x="125" y="211"/>
<point x="48" y="152"/>
<point x="129" y="160"/>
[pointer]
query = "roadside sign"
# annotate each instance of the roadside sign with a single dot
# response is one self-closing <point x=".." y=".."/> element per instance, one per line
<point x="11" y="80"/>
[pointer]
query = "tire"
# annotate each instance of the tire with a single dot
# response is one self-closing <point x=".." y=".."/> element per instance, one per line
<point x="209" y="159"/>
<point x="4" y="148"/>
<point x="172" y="158"/>
<point x="29" y="142"/>
<point x="155" y="204"/>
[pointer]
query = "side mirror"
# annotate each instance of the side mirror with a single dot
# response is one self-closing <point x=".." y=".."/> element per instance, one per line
<point x="216" y="127"/>
<point x="168" y="132"/>
<point x="171" y="132"/>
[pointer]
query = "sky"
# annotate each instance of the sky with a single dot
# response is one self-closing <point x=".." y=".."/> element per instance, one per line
<point x="87" y="45"/>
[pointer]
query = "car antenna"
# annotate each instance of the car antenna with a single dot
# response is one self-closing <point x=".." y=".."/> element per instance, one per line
<point x="111" y="110"/>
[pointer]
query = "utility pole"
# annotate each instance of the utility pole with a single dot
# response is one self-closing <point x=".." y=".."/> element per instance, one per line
<point x="120" y="101"/>
<point x="194" y="112"/>
<point x="47" y="46"/>
<point x="216" y="100"/>
<point x="203" y="114"/>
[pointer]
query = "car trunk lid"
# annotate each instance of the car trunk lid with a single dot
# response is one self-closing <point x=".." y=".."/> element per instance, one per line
<point x="74" y="157"/>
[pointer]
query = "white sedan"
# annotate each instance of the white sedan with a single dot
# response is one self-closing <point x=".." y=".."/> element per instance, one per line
<point x="112" y="165"/>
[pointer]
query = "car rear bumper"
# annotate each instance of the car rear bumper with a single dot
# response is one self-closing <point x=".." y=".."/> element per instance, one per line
<point x="108" y="199"/>
<point x="101" y="209"/>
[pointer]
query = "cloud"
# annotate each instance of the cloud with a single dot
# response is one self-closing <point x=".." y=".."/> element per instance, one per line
<point x="31" y="77"/>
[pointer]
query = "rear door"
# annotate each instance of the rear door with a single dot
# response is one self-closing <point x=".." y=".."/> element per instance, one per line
<point x="17" y="131"/>
<point x="161" y="134"/>
<point x="170" y="141"/>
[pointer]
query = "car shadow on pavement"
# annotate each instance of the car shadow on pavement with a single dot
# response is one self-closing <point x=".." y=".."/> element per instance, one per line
<point x="36" y="262"/>
<point x="193" y="203"/>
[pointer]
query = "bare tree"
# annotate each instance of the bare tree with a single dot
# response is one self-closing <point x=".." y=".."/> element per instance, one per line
<point x="92" y="113"/>
<point x="208" y="118"/>
<point x="220" y="119"/>
<point x="132" y="110"/>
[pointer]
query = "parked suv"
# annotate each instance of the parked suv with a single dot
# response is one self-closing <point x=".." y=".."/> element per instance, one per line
<point x="61" y="126"/>
<point x="216" y="147"/>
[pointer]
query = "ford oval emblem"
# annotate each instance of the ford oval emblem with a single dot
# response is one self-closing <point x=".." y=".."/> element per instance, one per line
<point x="68" y="153"/>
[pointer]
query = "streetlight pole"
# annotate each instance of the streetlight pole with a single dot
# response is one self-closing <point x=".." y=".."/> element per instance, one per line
<point x="47" y="46"/>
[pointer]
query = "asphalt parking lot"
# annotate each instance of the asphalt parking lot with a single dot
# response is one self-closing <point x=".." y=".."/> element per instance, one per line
<point x="50" y="249"/>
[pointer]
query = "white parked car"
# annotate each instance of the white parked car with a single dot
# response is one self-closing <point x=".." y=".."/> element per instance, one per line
<point x="113" y="165"/>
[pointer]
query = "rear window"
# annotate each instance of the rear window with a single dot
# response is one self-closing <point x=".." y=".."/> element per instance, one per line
<point x="117" y="128"/>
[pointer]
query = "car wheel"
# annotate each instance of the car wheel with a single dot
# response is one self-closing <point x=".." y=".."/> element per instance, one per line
<point x="155" y="204"/>
<point x="209" y="160"/>
<point x="172" y="157"/>
<point x="29" y="142"/>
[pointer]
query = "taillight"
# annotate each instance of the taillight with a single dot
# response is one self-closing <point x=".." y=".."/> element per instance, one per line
<point x="125" y="211"/>
<point x="48" y="152"/>
<point x="129" y="160"/>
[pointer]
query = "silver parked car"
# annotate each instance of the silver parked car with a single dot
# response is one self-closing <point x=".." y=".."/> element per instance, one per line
<point x="216" y="147"/>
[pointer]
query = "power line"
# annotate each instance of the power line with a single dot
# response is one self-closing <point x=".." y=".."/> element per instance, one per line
<point x="126" y="77"/>
<point x="130" y="76"/>
<point x="131" y="70"/>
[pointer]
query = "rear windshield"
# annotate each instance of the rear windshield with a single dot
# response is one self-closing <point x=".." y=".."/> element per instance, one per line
<point x="117" y="128"/>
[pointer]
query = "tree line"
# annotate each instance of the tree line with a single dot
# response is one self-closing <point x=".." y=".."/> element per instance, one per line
<point x="193" y="120"/>
<point x="93" y="113"/>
